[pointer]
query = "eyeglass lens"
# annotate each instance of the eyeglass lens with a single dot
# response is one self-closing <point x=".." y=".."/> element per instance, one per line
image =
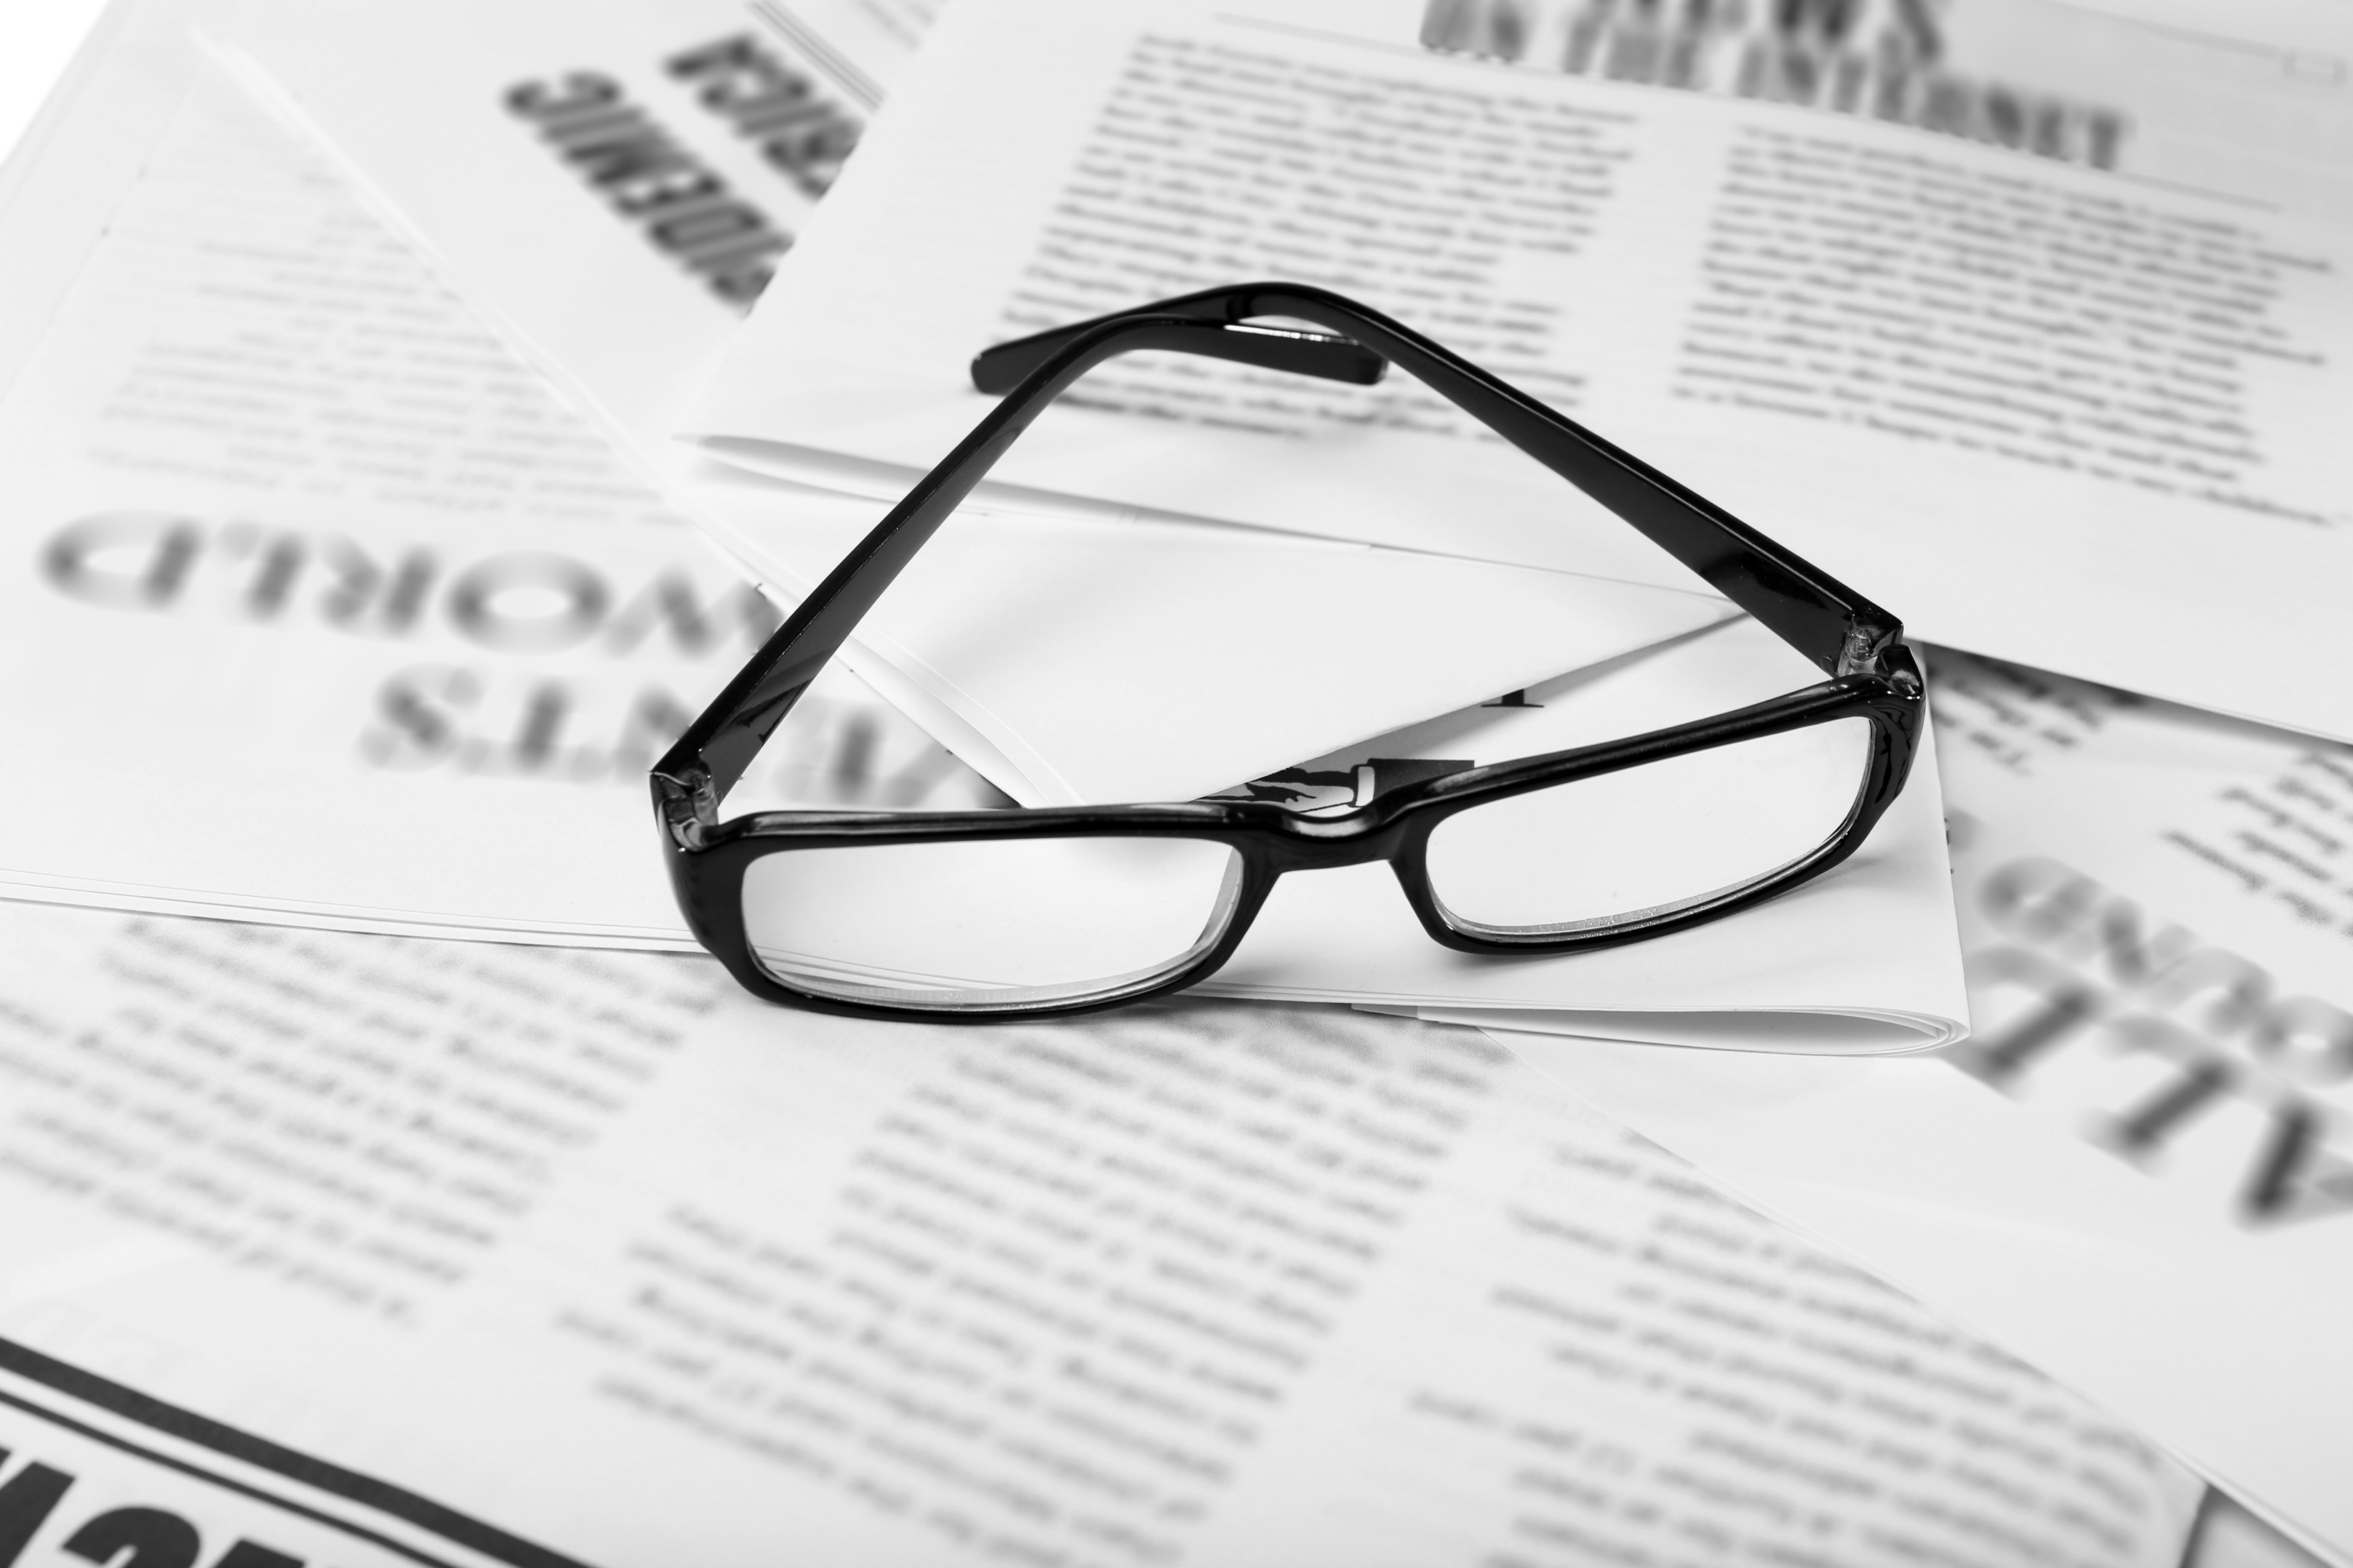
<point x="991" y="923"/>
<point x="1650" y="839"/>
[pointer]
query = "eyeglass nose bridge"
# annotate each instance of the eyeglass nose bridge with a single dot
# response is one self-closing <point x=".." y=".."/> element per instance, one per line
<point x="1362" y="837"/>
<point x="1334" y="817"/>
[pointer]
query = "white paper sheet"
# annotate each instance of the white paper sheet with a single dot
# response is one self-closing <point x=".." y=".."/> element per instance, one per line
<point x="594" y="1248"/>
<point x="2061" y="413"/>
<point x="83" y="151"/>
<point x="2230" y="1535"/>
<point x="2135" y="1173"/>
<point x="34" y="48"/>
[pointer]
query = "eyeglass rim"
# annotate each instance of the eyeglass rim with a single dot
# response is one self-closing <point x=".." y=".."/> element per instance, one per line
<point x="1272" y="841"/>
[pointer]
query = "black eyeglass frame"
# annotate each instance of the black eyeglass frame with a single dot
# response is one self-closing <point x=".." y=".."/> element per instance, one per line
<point x="1852" y="640"/>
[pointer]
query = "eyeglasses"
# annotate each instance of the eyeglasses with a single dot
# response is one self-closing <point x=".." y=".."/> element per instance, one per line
<point x="977" y="915"/>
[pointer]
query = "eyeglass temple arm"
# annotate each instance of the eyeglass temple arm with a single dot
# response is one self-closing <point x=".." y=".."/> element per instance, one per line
<point x="697" y="773"/>
<point x="1836" y="628"/>
<point x="1828" y="622"/>
<point x="1002" y="367"/>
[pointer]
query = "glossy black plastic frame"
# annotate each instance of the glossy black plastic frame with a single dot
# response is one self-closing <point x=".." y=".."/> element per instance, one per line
<point x="1853" y="641"/>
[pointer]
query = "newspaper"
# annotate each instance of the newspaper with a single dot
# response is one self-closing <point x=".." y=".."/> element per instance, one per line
<point x="277" y="1176"/>
<point x="2137" y="1173"/>
<point x="2062" y="398"/>
<point x="597" y="1250"/>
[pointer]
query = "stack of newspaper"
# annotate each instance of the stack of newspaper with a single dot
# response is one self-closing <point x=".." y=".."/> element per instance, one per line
<point x="414" y="412"/>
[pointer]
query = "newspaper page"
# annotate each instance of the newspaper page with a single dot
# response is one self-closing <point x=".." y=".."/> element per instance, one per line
<point x="2139" y="1170"/>
<point x="595" y="1249"/>
<point x="2034" y="342"/>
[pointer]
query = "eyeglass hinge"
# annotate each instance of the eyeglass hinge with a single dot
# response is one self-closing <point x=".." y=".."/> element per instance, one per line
<point x="1864" y="645"/>
<point x="688" y="806"/>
